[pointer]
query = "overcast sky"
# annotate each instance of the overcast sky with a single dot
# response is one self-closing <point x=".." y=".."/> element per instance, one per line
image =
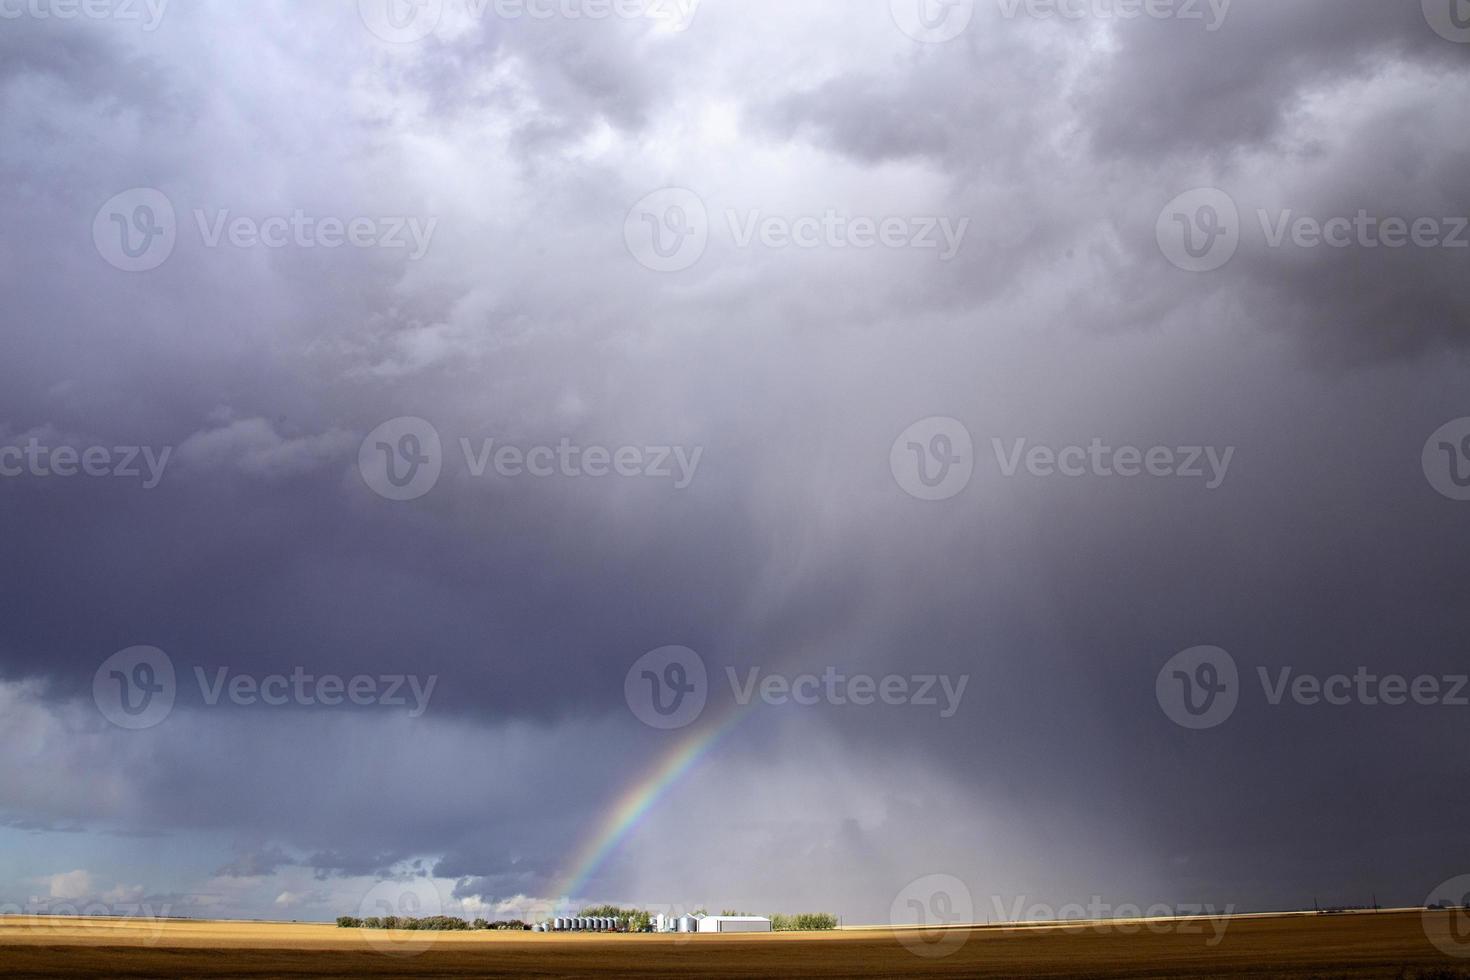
<point x="779" y="300"/>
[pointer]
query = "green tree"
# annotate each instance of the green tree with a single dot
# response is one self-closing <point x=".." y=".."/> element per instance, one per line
<point x="804" y="922"/>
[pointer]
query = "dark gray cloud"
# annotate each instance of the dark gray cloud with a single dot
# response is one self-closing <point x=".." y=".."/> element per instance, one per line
<point x="1173" y="88"/>
<point x="255" y="864"/>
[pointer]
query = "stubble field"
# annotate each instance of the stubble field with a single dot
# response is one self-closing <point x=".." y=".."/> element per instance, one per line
<point x="1388" y="944"/>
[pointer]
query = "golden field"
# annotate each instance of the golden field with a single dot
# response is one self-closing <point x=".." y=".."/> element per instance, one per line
<point x="1386" y="944"/>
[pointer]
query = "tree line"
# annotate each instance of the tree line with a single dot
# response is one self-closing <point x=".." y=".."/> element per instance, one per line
<point x="636" y="920"/>
<point x="433" y="923"/>
<point x="804" y="922"/>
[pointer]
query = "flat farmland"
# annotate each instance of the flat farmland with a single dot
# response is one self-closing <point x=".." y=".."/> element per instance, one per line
<point x="1387" y="944"/>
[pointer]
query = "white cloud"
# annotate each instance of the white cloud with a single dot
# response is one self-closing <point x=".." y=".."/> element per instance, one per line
<point x="71" y="886"/>
<point x="252" y="446"/>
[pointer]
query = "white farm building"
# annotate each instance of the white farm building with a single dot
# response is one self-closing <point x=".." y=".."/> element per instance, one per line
<point x="698" y="922"/>
<point x="734" y="923"/>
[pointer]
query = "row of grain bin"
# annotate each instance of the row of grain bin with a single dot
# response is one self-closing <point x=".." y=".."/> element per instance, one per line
<point x="583" y="923"/>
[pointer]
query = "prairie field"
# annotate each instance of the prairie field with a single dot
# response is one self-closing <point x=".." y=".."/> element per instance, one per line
<point x="1386" y="944"/>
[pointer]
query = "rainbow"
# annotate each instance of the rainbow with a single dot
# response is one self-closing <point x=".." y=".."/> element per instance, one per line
<point x="638" y="800"/>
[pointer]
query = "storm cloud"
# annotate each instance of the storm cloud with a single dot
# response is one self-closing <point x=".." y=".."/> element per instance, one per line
<point x="529" y="320"/>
